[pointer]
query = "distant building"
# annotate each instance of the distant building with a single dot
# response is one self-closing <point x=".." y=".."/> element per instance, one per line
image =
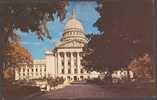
<point x="64" y="60"/>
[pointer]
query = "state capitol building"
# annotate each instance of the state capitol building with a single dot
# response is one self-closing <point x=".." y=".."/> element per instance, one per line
<point x="65" y="60"/>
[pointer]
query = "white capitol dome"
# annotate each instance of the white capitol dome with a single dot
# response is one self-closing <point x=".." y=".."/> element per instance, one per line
<point x="73" y="29"/>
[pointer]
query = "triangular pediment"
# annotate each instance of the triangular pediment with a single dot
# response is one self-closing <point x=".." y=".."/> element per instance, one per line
<point x="72" y="43"/>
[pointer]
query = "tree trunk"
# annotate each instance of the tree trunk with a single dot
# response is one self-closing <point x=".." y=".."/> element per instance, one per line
<point x="2" y="84"/>
<point x="3" y="43"/>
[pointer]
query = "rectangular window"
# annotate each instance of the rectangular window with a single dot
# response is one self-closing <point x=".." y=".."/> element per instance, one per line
<point x="69" y="71"/>
<point x="68" y="62"/>
<point x="82" y="71"/>
<point x="62" y="71"/>
<point x="75" y="70"/>
<point x="23" y="69"/>
<point x="62" y="63"/>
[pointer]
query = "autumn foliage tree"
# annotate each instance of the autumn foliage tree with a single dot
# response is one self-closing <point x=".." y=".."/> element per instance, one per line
<point x="14" y="55"/>
<point x="143" y="67"/>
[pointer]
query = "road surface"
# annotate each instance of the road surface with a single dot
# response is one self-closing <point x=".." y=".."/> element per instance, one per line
<point x="75" y="91"/>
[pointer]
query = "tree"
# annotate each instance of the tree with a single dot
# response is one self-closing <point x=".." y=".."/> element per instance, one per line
<point x="127" y="32"/>
<point x="8" y="74"/>
<point x="60" y="80"/>
<point x="133" y="23"/>
<point x="142" y="67"/>
<point x="26" y="15"/>
<point x="15" y="55"/>
<point x="53" y="82"/>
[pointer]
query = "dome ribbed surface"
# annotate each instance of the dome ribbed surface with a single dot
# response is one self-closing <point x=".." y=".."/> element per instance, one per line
<point x="73" y="24"/>
<point x="73" y="29"/>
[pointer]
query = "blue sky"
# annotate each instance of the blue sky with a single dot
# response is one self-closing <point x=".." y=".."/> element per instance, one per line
<point x="86" y="14"/>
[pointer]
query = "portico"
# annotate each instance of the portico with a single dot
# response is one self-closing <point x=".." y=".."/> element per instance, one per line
<point x="69" y="65"/>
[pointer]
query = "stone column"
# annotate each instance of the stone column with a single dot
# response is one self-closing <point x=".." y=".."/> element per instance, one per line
<point x="59" y="63"/>
<point x="72" y="62"/>
<point x="65" y="63"/>
<point x="78" y="63"/>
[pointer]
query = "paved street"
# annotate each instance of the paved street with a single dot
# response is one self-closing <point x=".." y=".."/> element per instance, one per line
<point x="76" y="91"/>
<point x="85" y="91"/>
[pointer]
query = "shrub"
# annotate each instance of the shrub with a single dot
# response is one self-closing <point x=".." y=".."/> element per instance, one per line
<point x="53" y="82"/>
